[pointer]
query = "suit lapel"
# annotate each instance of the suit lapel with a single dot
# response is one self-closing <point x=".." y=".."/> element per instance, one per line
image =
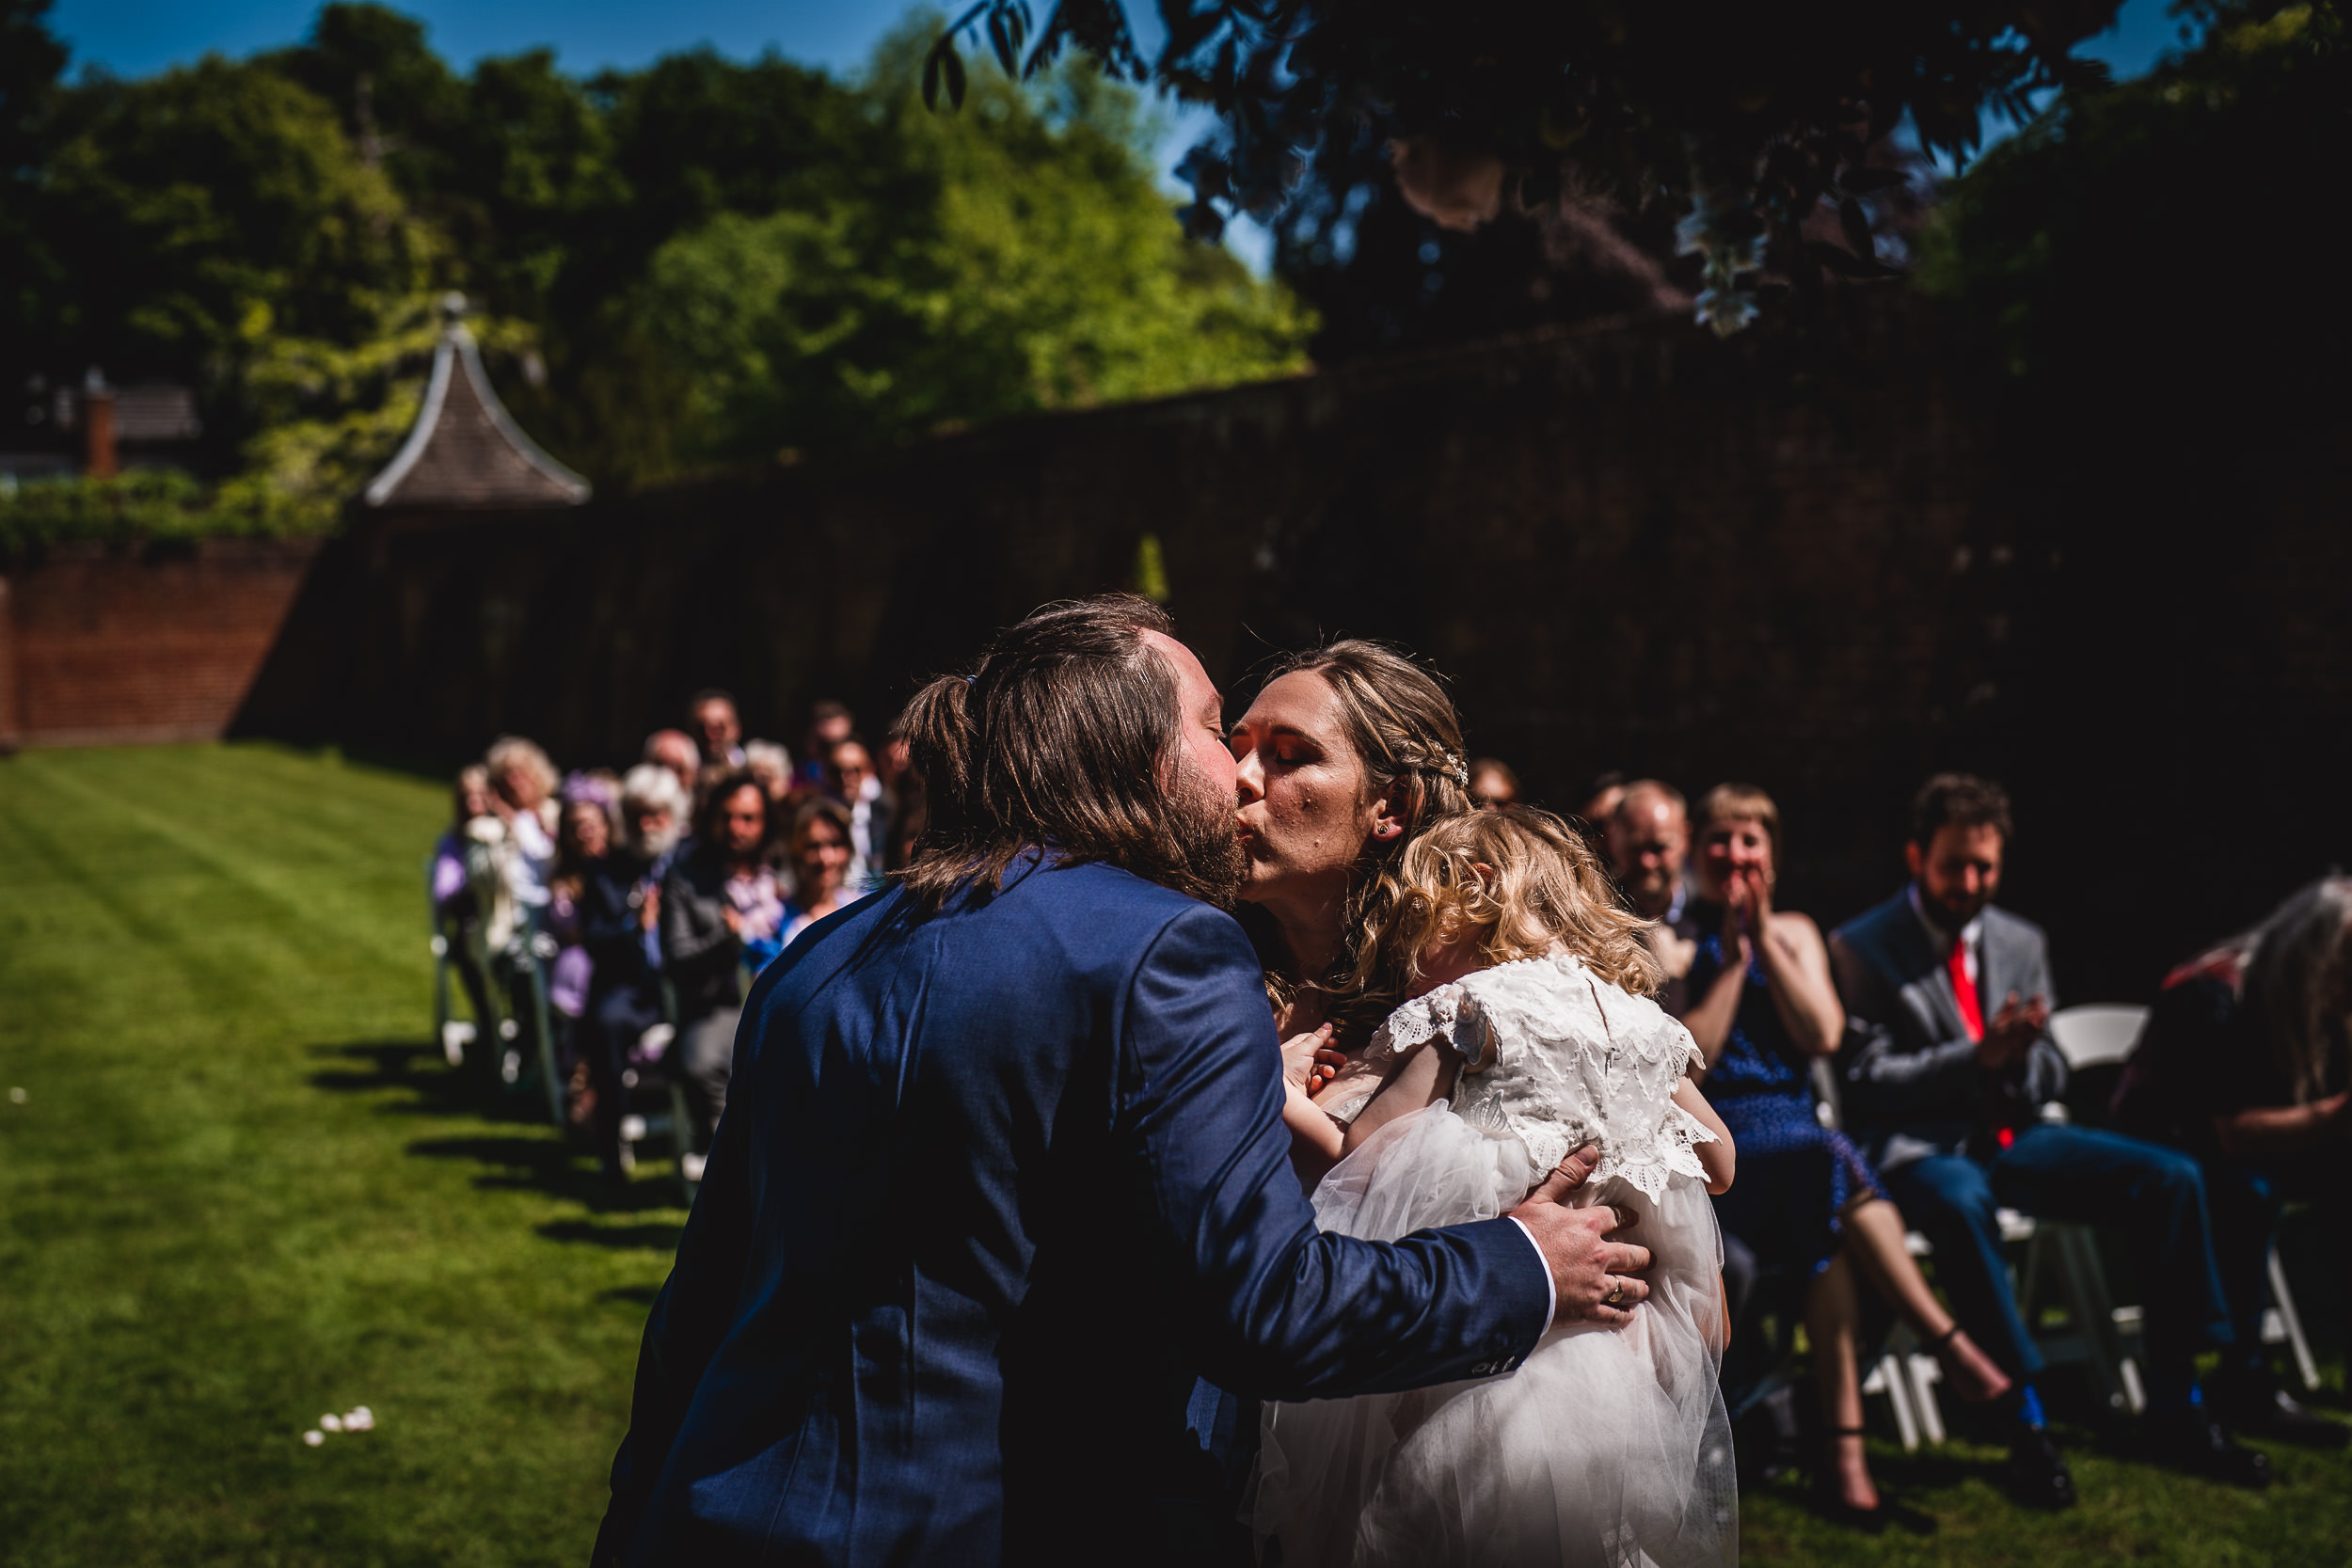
<point x="2000" y="964"/>
<point x="1927" y="982"/>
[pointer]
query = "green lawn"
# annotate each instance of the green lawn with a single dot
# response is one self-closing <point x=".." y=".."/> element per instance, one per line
<point x="238" y="1194"/>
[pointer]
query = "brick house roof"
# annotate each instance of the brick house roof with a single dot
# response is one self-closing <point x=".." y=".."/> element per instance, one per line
<point x="465" y="452"/>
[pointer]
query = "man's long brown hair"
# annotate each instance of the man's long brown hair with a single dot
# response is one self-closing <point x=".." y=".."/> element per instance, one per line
<point x="1063" y="738"/>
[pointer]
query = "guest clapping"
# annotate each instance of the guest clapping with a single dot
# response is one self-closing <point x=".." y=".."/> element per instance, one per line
<point x="1762" y="1009"/>
<point x="2245" y="1064"/>
<point x="620" y="914"/>
<point x="1946" y="1076"/>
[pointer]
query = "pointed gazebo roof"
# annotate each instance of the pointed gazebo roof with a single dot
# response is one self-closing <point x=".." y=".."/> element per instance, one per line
<point x="466" y="453"/>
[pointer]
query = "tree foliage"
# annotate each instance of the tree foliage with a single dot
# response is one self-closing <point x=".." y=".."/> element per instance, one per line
<point x="1033" y="266"/>
<point x="2107" y="254"/>
<point x="1749" y="119"/>
<point x="702" y="262"/>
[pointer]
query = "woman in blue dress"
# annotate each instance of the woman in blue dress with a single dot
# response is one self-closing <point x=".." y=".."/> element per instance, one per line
<point x="1761" y="1003"/>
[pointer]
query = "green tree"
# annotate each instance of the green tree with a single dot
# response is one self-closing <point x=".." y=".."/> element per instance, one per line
<point x="1013" y="257"/>
<point x="2093" y="254"/>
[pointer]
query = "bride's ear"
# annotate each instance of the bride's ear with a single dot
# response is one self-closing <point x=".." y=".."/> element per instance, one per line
<point x="1388" y="823"/>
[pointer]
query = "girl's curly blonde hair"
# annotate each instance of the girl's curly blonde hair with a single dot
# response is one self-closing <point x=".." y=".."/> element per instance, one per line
<point x="1541" y="888"/>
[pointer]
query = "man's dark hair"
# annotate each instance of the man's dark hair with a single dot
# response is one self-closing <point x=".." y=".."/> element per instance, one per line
<point x="824" y="709"/>
<point x="1960" y="799"/>
<point x="710" y="694"/>
<point x="1063" y="738"/>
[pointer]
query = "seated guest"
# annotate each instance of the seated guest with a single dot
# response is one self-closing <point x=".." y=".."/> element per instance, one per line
<point x="830" y="723"/>
<point x="1601" y="797"/>
<point x="2245" y="1064"/>
<point x="583" y="837"/>
<point x="903" y="787"/>
<point x="1647" y="840"/>
<point x="522" y="791"/>
<point x="717" y="729"/>
<point x="1760" y="1006"/>
<point x="1947" y="1067"/>
<point x="619" y="925"/>
<point x="1492" y="784"/>
<point x="772" y="765"/>
<point x="821" y="864"/>
<point x="850" y="779"/>
<point x="675" y="751"/>
<point x="456" y="902"/>
<point x="720" y="907"/>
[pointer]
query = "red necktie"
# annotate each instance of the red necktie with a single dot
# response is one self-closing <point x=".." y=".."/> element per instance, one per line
<point x="1965" y="991"/>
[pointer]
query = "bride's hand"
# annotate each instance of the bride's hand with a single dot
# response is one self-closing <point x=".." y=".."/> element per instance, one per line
<point x="1309" y="1060"/>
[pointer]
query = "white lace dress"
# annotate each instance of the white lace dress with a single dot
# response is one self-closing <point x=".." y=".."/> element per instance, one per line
<point x="1607" y="1447"/>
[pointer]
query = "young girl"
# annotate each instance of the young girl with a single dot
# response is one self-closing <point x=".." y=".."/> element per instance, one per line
<point x="1528" y="1034"/>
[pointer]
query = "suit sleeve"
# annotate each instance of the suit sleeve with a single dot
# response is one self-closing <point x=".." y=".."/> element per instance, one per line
<point x="1887" y="1079"/>
<point x="1280" y="1310"/>
<point x="2040" y="1076"/>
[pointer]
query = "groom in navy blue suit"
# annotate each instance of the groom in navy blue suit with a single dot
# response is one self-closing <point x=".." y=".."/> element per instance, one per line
<point x="1003" y="1166"/>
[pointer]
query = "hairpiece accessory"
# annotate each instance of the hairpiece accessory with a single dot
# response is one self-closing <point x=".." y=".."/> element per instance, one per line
<point x="1454" y="770"/>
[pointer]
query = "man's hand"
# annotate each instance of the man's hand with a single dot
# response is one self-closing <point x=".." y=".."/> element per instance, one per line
<point x="2011" y="1031"/>
<point x="1596" y="1280"/>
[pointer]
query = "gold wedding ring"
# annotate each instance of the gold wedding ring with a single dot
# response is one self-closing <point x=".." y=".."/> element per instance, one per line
<point x="1617" y="1294"/>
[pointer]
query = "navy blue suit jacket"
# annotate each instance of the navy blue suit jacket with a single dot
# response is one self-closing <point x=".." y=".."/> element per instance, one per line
<point x="983" y="1179"/>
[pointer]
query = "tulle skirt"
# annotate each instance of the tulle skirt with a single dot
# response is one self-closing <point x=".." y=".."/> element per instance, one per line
<point x="1606" y="1447"/>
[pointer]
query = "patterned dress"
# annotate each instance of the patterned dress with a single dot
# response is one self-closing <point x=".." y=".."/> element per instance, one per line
<point x="1796" y="1176"/>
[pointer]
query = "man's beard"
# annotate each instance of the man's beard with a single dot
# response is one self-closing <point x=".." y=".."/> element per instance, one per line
<point x="1202" y="831"/>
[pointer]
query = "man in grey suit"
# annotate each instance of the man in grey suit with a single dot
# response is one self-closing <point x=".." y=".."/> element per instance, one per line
<point x="1947" y="1067"/>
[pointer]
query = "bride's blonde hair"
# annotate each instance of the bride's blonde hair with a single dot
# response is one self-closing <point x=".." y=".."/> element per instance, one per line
<point x="1542" y="889"/>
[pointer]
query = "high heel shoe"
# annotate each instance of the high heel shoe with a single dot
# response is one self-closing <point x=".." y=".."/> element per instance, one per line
<point x="1829" y="1498"/>
<point x="1962" y="1378"/>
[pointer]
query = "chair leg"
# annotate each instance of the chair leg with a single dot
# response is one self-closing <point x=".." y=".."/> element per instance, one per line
<point x="2284" y="1299"/>
<point x="689" y="1163"/>
<point x="1925" y="1375"/>
<point x="2094" y="1320"/>
<point x="1895" y="1384"/>
<point x="542" y="1020"/>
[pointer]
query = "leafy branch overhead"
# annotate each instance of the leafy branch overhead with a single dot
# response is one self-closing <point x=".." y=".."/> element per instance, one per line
<point x="1753" y="117"/>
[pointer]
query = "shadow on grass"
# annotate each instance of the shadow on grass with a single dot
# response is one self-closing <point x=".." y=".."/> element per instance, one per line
<point x="436" y="1089"/>
<point x="636" y="1295"/>
<point x="623" y="1238"/>
<point x="546" y="1164"/>
<point x="517" y="1147"/>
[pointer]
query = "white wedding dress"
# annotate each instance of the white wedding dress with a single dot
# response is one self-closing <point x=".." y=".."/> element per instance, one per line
<point x="1606" y="1447"/>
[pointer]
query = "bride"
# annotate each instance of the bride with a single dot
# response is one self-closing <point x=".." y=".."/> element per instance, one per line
<point x="1608" y="1445"/>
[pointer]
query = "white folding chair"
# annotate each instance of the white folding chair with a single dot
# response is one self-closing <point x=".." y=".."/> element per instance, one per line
<point x="2100" y="1034"/>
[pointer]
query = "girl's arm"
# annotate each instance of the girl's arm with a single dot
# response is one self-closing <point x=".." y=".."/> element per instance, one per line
<point x="1716" y="1159"/>
<point x="1421" y="1077"/>
<point x="1314" y="1136"/>
<point x="1315" y="1139"/>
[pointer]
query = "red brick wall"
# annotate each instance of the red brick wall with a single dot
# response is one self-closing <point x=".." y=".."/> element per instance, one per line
<point x="112" y="645"/>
